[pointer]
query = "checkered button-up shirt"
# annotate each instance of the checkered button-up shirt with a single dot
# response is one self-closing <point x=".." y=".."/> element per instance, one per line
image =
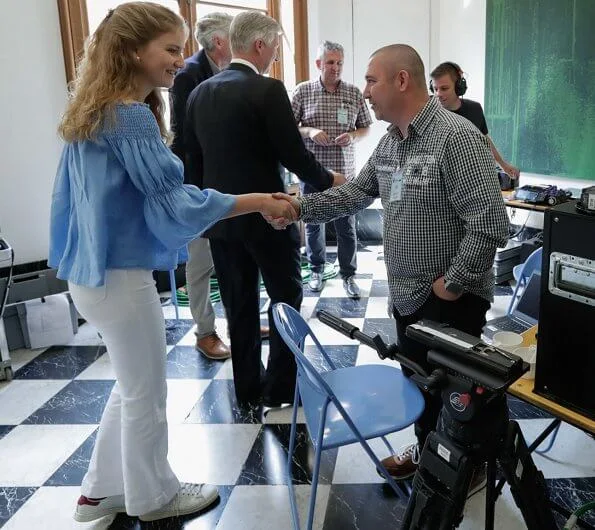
<point x="450" y="217"/>
<point x="314" y="106"/>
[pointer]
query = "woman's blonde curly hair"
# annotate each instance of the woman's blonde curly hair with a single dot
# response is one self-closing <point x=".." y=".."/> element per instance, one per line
<point x="107" y="73"/>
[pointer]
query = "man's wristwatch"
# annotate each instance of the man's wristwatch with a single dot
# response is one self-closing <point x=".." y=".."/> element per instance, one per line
<point x="453" y="288"/>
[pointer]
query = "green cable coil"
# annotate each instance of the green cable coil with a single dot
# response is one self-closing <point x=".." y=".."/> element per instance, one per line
<point x="330" y="271"/>
<point x="579" y="512"/>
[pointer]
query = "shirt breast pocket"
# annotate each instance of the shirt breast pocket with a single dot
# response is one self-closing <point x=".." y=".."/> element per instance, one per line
<point x="384" y="173"/>
<point x="424" y="187"/>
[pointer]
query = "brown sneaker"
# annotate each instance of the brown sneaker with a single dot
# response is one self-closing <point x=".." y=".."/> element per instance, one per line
<point x="403" y="465"/>
<point x="213" y="347"/>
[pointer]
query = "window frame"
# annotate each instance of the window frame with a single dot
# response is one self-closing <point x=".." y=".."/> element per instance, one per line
<point x="74" y="27"/>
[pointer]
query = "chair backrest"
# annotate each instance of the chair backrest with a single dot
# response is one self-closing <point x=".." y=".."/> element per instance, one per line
<point x="532" y="264"/>
<point x="294" y="330"/>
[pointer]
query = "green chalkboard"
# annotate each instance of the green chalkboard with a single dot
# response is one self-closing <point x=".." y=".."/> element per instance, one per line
<point x="540" y="84"/>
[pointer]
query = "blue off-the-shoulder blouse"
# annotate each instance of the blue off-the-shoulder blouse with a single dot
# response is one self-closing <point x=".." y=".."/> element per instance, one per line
<point x="120" y="202"/>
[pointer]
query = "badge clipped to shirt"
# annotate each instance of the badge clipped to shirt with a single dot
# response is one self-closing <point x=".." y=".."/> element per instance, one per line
<point x="396" y="187"/>
<point x="342" y="116"/>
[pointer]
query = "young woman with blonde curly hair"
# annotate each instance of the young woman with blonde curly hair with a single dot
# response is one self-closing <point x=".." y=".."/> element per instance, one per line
<point x="119" y="211"/>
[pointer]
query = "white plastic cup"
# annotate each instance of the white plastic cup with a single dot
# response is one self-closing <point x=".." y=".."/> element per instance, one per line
<point x="507" y="340"/>
<point x="528" y="354"/>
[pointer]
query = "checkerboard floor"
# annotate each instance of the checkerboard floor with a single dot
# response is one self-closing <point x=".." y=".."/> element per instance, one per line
<point x="50" y="412"/>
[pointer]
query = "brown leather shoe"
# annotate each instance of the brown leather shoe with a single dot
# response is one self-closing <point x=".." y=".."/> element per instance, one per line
<point x="264" y="332"/>
<point x="213" y="347"/>
<point x="404" y="464"/>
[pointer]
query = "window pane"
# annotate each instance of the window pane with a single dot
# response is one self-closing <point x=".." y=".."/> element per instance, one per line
<point x="288" y="43"/>
<point x="97" y="9"/>
<point x="207" y="9"/>
<point x="244" y="4"/>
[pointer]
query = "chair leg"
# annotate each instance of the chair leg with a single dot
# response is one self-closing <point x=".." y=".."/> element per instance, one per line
<point x="393" y="484"/>
<point x="388" y="445"/>
<point x="519" y="284"/>
<point x="289" y="474"/>
<point x="315" y="473"/>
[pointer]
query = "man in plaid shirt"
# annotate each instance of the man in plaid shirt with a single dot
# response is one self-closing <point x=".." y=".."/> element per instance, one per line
<point x="444" y="215"/>
<point x="332" y="116"/>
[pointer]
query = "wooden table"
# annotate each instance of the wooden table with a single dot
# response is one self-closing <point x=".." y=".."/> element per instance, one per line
<point x="523" y="389"/>
<point x="512" y="203"/>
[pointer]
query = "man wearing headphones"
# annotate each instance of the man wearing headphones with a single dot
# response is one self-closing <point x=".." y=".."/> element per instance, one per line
<point x="449" y="85"/>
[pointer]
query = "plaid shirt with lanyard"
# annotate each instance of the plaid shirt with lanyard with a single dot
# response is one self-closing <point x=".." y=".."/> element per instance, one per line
<point x="338" y="112"/>
<point x="443" y="210"/>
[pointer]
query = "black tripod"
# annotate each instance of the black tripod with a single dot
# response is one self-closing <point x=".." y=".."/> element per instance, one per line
<point x="473" y="429"/>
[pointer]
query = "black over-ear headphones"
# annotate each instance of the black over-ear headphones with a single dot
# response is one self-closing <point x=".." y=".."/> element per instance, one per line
<point x="460" y="81"/>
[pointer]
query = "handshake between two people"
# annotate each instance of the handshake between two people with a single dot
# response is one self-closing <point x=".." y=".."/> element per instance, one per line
<point x="281" y="210"/>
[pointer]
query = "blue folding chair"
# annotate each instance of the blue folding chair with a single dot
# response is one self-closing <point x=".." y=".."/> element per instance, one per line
<point x="523" y="272"/>
<point x="343" y="405"/>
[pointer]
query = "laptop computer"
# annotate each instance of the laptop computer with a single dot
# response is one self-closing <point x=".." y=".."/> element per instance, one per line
<point x="523" y="316"/>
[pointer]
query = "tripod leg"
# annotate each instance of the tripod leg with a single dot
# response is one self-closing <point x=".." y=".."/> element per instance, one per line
<point x="527" y="483"/>
<point x="491" y="495"/>
<point x="439" y="486"/>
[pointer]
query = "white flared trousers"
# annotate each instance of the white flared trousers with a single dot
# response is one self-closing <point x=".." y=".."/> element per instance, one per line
<point x="130" y="454"/>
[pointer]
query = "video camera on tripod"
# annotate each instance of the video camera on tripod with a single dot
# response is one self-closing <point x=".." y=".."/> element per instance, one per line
<point x="473" y="427"/>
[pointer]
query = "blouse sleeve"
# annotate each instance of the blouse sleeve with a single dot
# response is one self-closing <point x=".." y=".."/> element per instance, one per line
<point x="175" y="213"/>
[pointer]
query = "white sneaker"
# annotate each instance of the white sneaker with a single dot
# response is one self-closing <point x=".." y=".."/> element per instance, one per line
<point x="90" y="509"/>
<point x="316" y="281"/>
<point x="189" y="499"/>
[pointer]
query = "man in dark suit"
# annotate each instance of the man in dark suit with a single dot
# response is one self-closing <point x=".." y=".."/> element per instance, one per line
<point x="212" y="32"/>
<point x="242" y="130"/>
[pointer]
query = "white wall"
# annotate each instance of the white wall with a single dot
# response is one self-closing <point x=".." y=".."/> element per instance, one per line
<point x="459" y="35"/>
<point x="32" y="98"/>
<point x="435" y="30"/>
<point x="440" y="30"/>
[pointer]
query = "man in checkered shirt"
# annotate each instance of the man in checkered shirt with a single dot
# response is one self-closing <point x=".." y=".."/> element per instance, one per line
<point x="444" y="215"/>
<point x="332" y="116"/>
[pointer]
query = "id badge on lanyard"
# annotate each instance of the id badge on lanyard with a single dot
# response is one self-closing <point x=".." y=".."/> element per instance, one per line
<point x="342" y="116"/>
<point x="396" y="187"/>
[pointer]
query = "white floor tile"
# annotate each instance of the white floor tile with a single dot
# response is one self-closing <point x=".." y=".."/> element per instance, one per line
<point x="210" y="453"/>
<point x="21" y="357"/>
<point x="367" y="355"/>
<point x="379" y="271"/>
<point x="100" y="369"/>
<point x="189" y="339"/>
<point x="377" y="307"/>
<point x="283" y="415"/>
<point x="182" y="395"/>
<point x="86" y="336"/>
<point x="328" y="336"/>
<point x="169" y="312"/>
<point x="267" y="508"/>
<point x="52" y="508"/>
<point x="21" y="397"/>
<point x="226" y="371"/>
<point x="571" y="456"/>
<point x="354" y="466"/>
<point x="334" y="288"/>
<point x="36" y="451"/>
<point x="307" y="307"/>
<point x="508" y="516"/>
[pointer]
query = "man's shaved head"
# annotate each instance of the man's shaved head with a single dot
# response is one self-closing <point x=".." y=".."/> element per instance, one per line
<point x="396" y="84"/>
<point x="397" y="57"/>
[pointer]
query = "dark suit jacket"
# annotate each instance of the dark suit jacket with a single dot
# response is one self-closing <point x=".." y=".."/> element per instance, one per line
<point x="240" y="130"/>
<point x="196" y="70"/>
